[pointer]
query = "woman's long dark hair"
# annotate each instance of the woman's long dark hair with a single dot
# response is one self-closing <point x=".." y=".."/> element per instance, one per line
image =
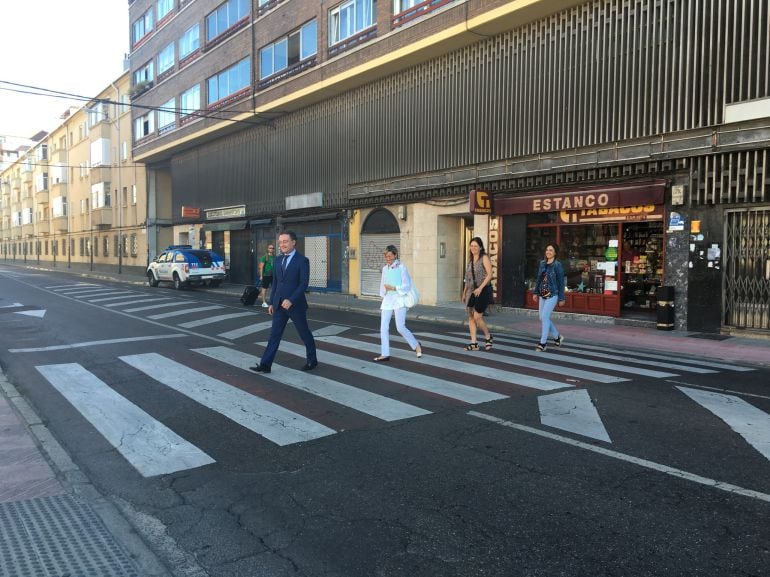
<point x="479" y="242"/>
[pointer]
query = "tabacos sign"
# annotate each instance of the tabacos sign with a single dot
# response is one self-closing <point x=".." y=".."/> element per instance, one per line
<point x="614" y="214"/>
<point x="480" y="202"/>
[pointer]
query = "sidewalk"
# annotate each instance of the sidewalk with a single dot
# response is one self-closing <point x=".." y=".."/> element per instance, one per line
<point x="54" y="523"/>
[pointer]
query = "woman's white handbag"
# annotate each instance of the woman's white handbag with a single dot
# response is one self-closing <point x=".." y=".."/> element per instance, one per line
<point x="412" y="297"/>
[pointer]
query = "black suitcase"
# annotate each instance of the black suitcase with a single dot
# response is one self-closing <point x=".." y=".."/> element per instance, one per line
<point x="249" y="296"/>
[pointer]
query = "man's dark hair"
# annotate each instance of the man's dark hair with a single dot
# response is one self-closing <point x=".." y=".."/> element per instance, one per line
<point x="291" y="233"/>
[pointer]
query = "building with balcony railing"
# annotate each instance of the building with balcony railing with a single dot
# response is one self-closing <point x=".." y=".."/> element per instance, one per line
<point x="84" y="205"/>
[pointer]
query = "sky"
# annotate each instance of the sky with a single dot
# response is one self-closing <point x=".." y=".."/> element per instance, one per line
<point x="75" y="46"/>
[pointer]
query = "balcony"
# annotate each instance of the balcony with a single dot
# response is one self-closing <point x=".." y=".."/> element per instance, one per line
<point x="43" y="227"/>
<point x="102" y="217"/>
<point x="100" y="174"/>
<point x="27" y="230"/>
<point x="100" y="130"/>
<point x="16" y="183"/>
<point x="59" y="224"/>
<point x="26" y="175"/>
<point x="58" y="188"/>
<point x="41" y="197"/>
<point x="59" y="156"/>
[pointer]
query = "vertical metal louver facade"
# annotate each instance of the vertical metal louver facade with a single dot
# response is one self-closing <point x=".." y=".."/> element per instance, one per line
<point x="603" y="72"/>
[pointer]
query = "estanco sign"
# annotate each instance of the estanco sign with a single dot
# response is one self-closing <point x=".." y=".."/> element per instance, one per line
<point x="593" y="198"/>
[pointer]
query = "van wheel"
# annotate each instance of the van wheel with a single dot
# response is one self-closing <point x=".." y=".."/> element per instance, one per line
<point x="178" y="284"/>
<point x="151" y="280"/>
<point x="215" y="283"/>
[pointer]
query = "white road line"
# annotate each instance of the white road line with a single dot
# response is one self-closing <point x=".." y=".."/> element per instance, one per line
<point x="444" y="363"/>
<point x="721" y="390"/>
<point x="125" y="296"/>
<point x="548" y="367"/>
<point x="93" y="293"/>
<point x="13" y="306"/>
<point x="363" y="401"/>
<point x="275" y="423"/>
<point x="572" y="411"/>
<point x="679" y="473"/>
<point x="330" y="330"/>
<point x="638" y="357"/>
<point x="63" y="286"/>
<point x="150" y="446"/>
<point x="96" y="343"/>
<point x="247" y="330"/>
<point x="158" y="305"/>
<point x="402" y="378"/>
<point x="745" y="419"/>
<point x="133" y="302"/>
<point x="567" y="359"/>
<point x="216" y="319"/>
<point x="184" y="312"/>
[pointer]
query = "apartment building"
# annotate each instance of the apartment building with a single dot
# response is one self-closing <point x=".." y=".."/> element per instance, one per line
<point x="632" y="133"/>
<point x="77" y="199"/>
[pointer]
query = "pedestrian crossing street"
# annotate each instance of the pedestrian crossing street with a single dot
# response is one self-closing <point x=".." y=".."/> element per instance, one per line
<point x="446" y="376"/>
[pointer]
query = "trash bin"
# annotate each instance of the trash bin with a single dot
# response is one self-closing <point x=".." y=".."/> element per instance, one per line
<point x="665" y="308"/>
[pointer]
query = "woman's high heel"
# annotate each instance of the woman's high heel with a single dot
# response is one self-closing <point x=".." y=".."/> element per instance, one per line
<point x="418" y="350"/>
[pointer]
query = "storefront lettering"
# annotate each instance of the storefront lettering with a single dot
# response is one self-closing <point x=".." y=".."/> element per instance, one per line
<point x="569" y="202"/>
<point x="494" y="249"/>
<point x="620" y="213"/>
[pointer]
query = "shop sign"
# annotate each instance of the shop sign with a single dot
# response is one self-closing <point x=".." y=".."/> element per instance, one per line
<point x="675" y="222"/>
<point x="226" y="212"/>
<point x="493" y="251"/>
<point x="480" y="202"/>
<point x="592" y="198"/>
<point x="191" y="212"/>
<point x="616" y="214"/>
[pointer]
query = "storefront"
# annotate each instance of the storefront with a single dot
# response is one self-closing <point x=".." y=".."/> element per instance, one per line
<point x="610" y="240"/>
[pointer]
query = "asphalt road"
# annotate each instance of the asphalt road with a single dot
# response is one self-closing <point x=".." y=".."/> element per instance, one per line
<point x="581" y="461"/>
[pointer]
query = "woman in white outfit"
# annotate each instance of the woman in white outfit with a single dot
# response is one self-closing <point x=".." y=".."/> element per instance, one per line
<point x="394" y="284"/>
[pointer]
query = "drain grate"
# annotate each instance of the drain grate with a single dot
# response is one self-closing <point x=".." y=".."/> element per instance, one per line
<point x="710" y="336"/>
<point x="57" y="537"/>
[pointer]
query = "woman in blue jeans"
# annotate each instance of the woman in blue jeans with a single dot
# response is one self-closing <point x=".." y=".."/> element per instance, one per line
<point x="548" y="292"/>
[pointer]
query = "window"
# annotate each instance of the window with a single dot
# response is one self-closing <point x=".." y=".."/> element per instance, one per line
<point x="133" y="194"/>
<point x="41" y="182"/>
<point x="229" y="81"/>
<point x="350" y="18"/>
<point x="144" y="74"/>
<point x="59" y="206"/>
<point x="100" y="195"/>
<point x="106" y="246"/>
<point x="100" y="152"/>
<point x="190" y="101"/>
<point x="401" y="5"/>
<point x="144" y="126"/>
<point x="97" y="114"/>
<point x="224" y="17"/>
<point x="166" y="58"/>
<point x="164" y="7"/>
<point x="167" y="114"/>
<point x="189" y="42"/>
<point x="26" y="216"/>
<point x="124" y="150"/>
<point x="142" y="26"/>
<point x="289" y="50"/>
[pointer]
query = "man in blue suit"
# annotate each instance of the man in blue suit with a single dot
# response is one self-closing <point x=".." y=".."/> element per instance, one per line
<point x="287" y="301"/>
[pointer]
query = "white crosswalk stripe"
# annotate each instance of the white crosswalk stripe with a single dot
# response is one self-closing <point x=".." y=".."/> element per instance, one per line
<point x="551" y="367"/>
<point x="572" y="411"/>
<point x="427" y="383"/>
<point x="157" y="305"/>
<point x="135" y="301"/>
<point x="745" y="419"/>
<point x="247" y="330"/>
<point x="150" y="446"/>
<point x="267" y="419"/>
<point x="370" y="403"/>
<point x="170" y="314"/>
<point x="560" y="359"/>
<point x="604" y="354"/>
<point x="466" y="368"/>
<point x="214" y="319"/>
<point x="124" y="296"/>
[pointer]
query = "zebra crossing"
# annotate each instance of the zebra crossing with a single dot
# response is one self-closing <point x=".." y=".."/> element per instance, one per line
<point x="444" y="377"/>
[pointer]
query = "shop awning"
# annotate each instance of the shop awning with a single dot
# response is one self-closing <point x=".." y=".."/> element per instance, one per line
<point x="219" y="226"/>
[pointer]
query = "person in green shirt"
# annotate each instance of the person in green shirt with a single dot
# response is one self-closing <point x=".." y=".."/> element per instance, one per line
<point x="266" y="264"/>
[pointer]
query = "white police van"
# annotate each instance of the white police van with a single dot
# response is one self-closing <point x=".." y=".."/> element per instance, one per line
<point x="186" y="266"/>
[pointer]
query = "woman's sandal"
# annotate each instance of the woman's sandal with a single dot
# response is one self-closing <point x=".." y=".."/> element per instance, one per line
<point x="472" y="347"/>
<point x="418" y="350"/>
<point x="381" y="359"/>
<point x="540" y="347"/>
<point x="488" y="343"/>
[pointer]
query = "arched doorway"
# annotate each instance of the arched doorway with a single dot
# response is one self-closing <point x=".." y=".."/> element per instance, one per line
<point x="379" y="230"/>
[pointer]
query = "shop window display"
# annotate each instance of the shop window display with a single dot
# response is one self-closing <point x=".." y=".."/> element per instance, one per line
<point x="642" y="264"/>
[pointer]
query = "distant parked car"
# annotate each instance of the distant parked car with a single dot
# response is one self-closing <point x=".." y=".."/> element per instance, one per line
<point x="186" y="266"/>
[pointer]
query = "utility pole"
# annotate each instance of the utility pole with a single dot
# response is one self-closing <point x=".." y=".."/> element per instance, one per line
<point x="119" y="150"/>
